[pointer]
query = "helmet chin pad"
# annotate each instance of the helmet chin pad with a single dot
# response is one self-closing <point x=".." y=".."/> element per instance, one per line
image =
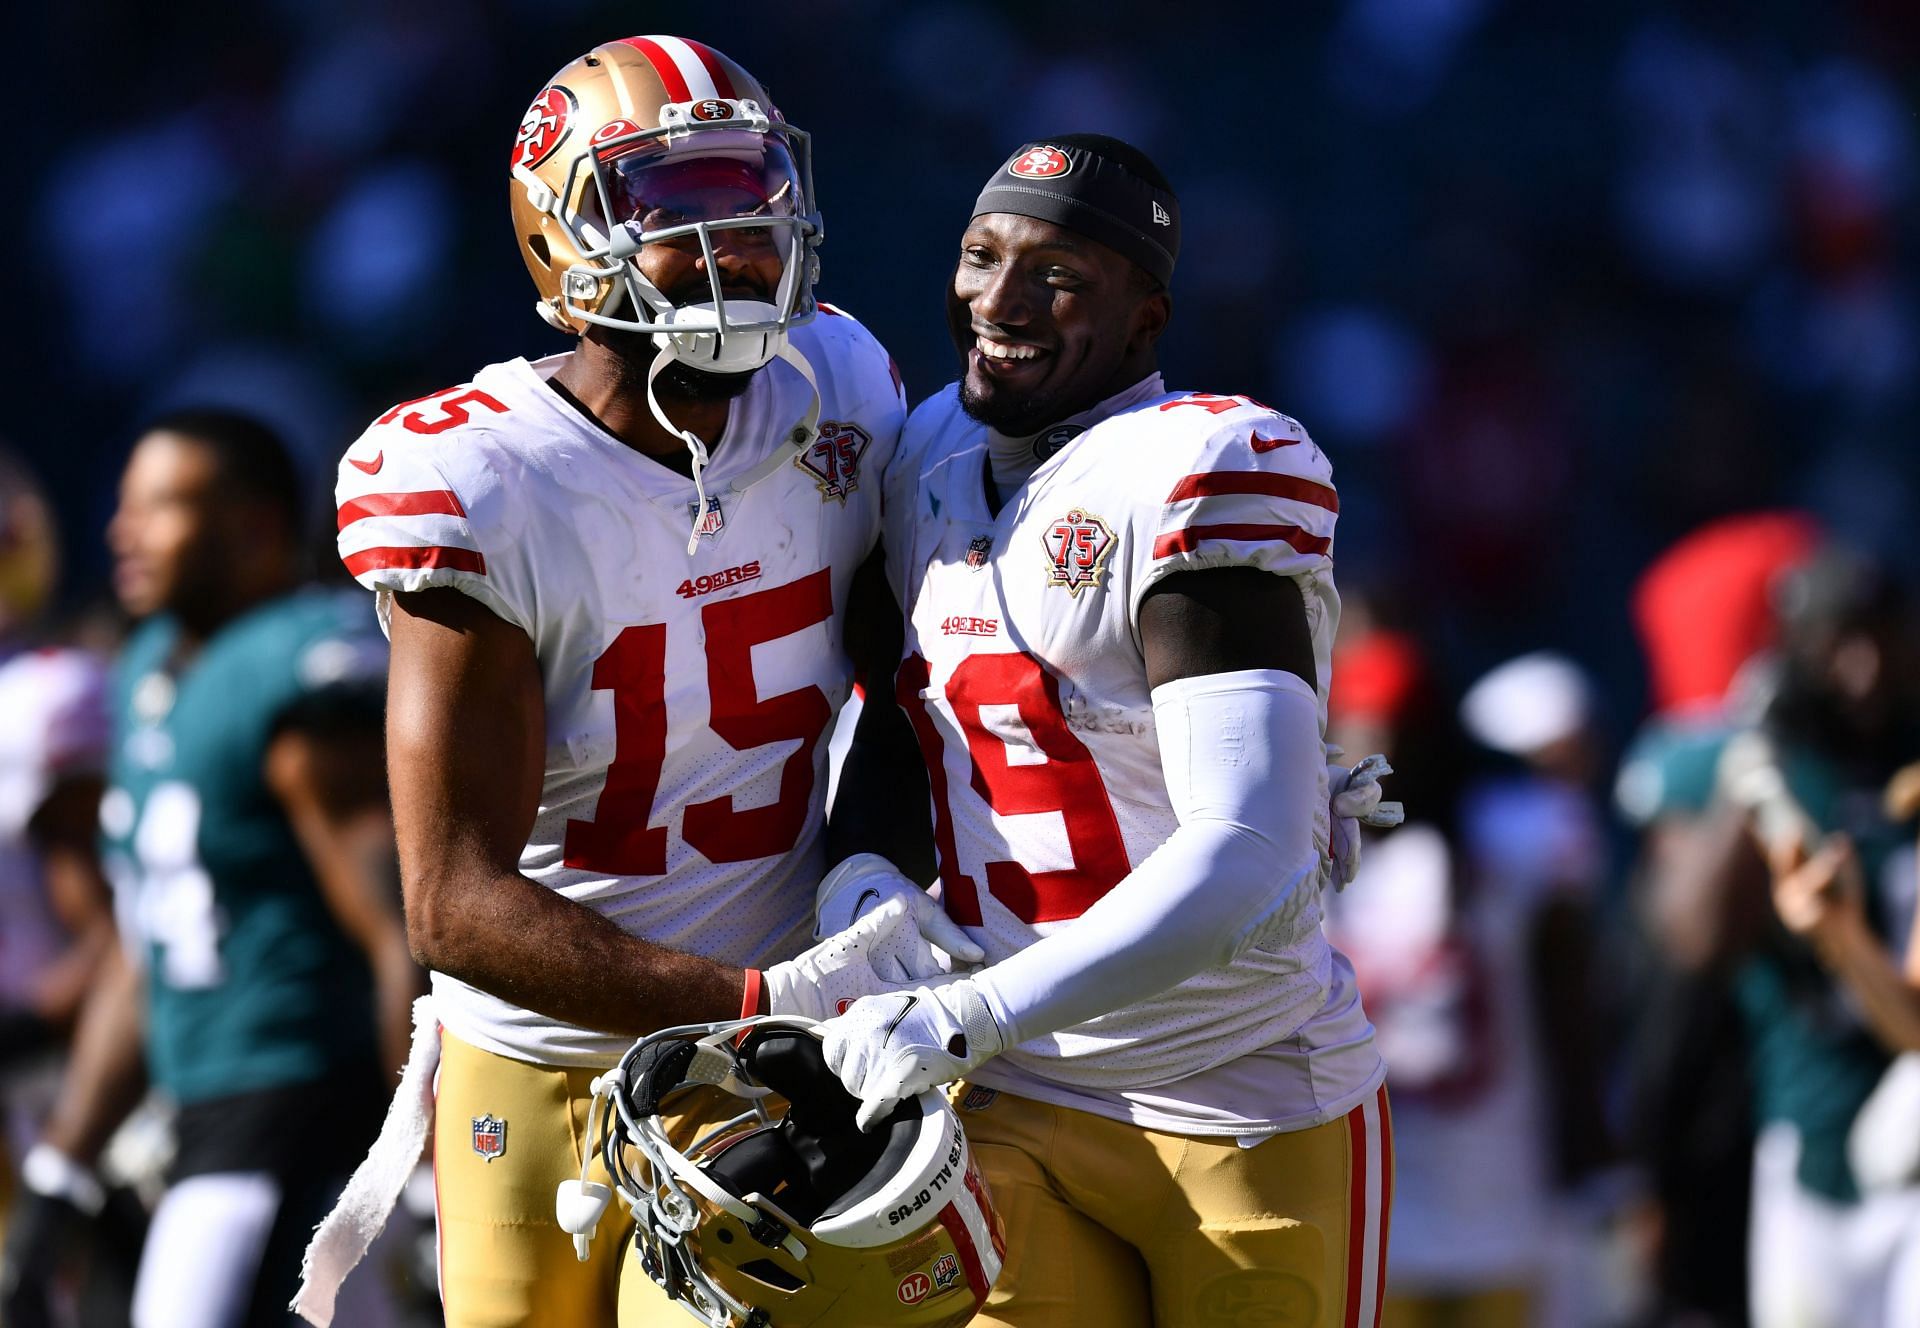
<point x="816" y="1161"/>
<point x="700" y="339"/>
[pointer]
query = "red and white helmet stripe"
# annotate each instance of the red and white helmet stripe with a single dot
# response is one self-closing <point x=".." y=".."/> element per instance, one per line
<point x="688" y="70"/>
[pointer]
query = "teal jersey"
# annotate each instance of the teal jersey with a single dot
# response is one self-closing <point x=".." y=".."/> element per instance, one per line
<point x="251" y="984"/>
<point x="1813" y="1060"/>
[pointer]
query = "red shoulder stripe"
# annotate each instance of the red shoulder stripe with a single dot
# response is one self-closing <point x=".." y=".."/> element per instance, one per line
<point x="1188" y="539"/>
<point x="1220" y="483"/>
<point x="460" y="560"/>
<point x="435" y="502"/>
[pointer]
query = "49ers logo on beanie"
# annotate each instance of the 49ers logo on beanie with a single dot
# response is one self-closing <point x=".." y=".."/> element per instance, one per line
<point x="1040" y="164"/>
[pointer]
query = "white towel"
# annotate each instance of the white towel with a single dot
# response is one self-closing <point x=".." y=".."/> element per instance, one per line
<point x="341" y="1241"/>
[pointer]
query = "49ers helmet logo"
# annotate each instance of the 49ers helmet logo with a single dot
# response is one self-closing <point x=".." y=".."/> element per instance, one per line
<point x="1077" y="546"/>
<point x="1040" y="164"/>
<point x="712" y="110"/>
<point x="543" y="126"/>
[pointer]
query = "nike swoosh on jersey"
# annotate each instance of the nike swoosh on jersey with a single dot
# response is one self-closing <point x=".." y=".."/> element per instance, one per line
<point x="1260" y="444"/>
<point x="371" y="467"/>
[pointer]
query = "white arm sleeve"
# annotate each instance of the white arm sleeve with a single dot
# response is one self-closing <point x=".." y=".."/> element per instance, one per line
<point x="1243" y="763"/>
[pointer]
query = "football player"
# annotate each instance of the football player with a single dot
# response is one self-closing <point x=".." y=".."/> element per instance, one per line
<point x="263" y="953"/>
<point x="615" y="581"/>
<point x="1120" y="607"/>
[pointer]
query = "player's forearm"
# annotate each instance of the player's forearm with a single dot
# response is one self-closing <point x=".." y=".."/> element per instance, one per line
<point x="106" y="1070"/>
<point x="1241" y="754"/>
<point x="1890" y="1002"/>
<point x="522" y="942"/>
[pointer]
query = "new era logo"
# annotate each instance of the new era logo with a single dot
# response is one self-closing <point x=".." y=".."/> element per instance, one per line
<point x="1160" y="217"/>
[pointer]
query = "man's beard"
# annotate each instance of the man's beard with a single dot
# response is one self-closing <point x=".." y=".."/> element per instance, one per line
<point x="1013" y="416"/>
<point x="679" y="380"/>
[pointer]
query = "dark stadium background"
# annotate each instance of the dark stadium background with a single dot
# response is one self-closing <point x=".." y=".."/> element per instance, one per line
<point x="1551" y="283"/>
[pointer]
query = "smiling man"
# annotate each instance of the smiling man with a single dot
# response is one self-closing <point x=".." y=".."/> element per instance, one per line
<point x="1119" y="612"/>
<point x="616" y="582"/>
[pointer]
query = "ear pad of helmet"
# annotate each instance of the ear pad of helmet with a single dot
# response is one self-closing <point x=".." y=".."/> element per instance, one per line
<point x="816" y="1160"/>
<point x="660" y="1068"/>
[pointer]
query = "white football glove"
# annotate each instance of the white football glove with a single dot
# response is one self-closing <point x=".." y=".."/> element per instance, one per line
<point x="874" y="955"/>
<point x="1353" y="801"/>
<point x="888" y="1048"/>
<point x="864" y="882"/>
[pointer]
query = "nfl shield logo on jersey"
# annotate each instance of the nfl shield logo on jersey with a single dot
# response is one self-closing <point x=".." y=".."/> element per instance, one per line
<point x="706" y="527"/>
<point x="834" y="458"/>
<point x="977" y="550"/>
<point x="1077" y="546"/>
<point x="489" y="1136"/>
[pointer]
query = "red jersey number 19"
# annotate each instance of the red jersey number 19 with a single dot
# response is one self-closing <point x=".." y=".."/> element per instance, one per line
<point x="1066" y="781"/>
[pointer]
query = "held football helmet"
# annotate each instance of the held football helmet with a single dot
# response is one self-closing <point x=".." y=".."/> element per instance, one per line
<point x="765" y="1221"/>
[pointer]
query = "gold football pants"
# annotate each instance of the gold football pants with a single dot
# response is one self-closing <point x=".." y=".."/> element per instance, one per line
<point x="1108" y="1223"/>
<point x="504" y="1261"/>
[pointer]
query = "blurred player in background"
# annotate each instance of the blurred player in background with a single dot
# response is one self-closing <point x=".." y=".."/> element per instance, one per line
<point x="265" y="979"/>
<point x="56" y="922"/>
<point x="1706" y="617"/>
<point x="1120" y="611"/>
<point x="615" y="582"/>
<point x="1468" y="928"/>
<point x="1799" y="790"/>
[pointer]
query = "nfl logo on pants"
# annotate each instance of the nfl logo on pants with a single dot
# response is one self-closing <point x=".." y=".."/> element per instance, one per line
<point x="489" y="1136"/>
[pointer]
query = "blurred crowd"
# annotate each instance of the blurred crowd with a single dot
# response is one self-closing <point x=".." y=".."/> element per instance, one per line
<point x="1607" y="317"/>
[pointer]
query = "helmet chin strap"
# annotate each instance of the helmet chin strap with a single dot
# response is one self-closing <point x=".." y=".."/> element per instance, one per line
<point x="804" y="431"/>
<point x="692" y="440"/>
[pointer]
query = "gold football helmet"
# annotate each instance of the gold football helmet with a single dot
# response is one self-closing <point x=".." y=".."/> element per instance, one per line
<point x="656" y="140"/>
<point x="790" y="1221"/>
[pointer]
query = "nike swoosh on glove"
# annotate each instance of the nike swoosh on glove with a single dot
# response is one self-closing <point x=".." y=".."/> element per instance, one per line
<point x="863" y="883"/>
<point x="1354" y="801"/>
<point x="874" y="955"/>
<point x="888" y="1048"/>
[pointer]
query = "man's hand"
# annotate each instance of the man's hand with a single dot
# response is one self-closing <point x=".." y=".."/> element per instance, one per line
<point x="1353" y="801"/>
<point x="862" y="884"/>
<point x="1821" y="895"/>
<point x="876" y="954"/>
<point x="888" y="1048"/>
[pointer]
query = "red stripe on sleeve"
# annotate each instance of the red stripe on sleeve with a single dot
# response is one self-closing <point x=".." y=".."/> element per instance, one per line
<point x="1356" y="1213"/>
<point x="1220" y="483"/>
<point x="663" y="65"/>
<point x="460" y="560"/>
<point x="1188" y="539"/>
<point x="1386" y="1203"/>
<point x="715" y="70"/>
<point x="435" y="502"/>
<point x="956" y="1226"/>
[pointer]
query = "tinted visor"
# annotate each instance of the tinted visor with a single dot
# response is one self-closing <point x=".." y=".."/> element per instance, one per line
<point x="662" y="190"/>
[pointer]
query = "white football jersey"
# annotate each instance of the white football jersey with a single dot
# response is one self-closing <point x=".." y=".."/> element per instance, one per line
<point x="687" y="697"/>
<point x="56" y="726"/>
<point x="1024" y="678"/>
